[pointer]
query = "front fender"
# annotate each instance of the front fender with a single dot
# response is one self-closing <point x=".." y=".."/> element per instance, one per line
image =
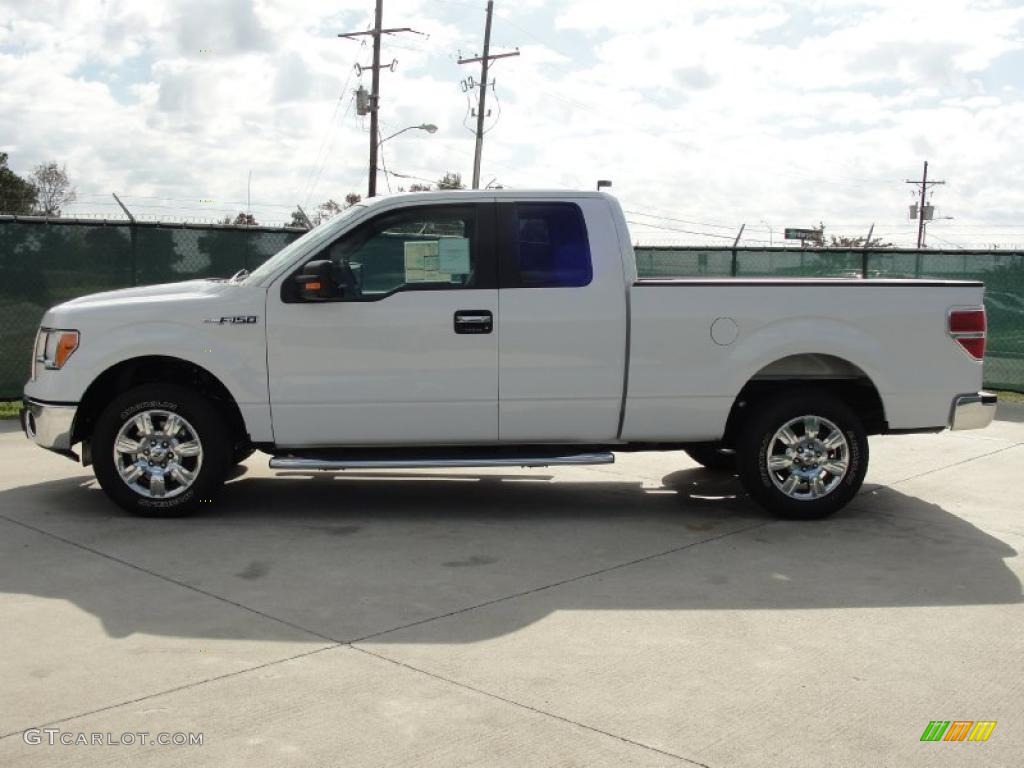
<point x="234" y="354"/>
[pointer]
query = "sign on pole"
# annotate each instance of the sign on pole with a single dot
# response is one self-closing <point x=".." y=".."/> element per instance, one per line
<point x="803" y="234"/>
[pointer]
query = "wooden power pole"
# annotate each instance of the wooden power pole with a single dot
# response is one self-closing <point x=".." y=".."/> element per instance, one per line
<point x="924" y="184"/>
<point x="374" y="106"/>
<point x="481" y="113"/>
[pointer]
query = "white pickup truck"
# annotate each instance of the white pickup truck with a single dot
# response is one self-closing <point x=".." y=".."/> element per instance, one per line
<point x="499" y="328"/>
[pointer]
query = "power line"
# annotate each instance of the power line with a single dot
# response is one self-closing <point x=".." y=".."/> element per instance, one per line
<point x="947" y="242"/>
<point x="327" y="154"/>
<point x="407" y="176"/>
<point x="681" y="221"/>
<point x="317" y="166"/>
<point x="683" y="231"/>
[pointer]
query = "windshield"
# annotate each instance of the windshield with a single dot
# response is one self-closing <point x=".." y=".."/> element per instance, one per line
<point x="285" y="254"/>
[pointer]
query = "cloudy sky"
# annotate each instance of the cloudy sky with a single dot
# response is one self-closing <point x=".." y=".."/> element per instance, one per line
<point x="705" y="113"/>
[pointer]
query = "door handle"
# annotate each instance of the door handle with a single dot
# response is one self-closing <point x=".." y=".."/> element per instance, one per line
<point x="474" y="321"/>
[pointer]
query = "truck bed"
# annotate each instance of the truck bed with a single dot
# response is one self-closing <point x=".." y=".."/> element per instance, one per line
<point x="694" y="347"/>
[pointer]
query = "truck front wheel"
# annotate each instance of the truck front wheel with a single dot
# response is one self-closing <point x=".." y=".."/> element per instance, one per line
<point x="804" y="455"/>
<point x="160" y="450"/>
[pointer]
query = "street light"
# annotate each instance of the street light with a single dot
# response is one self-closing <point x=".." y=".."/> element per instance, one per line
<point x="428" y="127"/>
<point x="771" y="233"/>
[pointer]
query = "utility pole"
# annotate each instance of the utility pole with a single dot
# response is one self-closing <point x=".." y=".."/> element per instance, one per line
<point x="924" y="184"/>
<point x="485" y="61"/>
<point x="374" y="106"/>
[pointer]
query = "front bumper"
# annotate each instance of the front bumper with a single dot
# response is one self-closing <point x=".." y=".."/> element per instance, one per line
<point x="49" y="425"/>
<point x="974" y="411"/>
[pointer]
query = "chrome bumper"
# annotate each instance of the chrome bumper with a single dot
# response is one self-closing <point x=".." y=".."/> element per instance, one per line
<point x="49" y="425"/>
<point x="973" y="411"/>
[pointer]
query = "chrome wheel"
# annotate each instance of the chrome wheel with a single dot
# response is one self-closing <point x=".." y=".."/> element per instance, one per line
<point x="158" y="454"/>
<point x="808" y="457"/>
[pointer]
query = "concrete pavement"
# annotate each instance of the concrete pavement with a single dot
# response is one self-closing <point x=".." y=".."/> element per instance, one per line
<point x="643" y="613"/>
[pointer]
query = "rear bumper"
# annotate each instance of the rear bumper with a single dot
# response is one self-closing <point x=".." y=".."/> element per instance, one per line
<point x="974" y="411"/>
<point x="49" y="425"/>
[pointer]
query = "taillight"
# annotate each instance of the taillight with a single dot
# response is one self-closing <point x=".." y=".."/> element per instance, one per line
<point x="968" y="328"/>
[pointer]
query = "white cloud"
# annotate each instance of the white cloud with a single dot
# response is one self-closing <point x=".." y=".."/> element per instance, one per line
<point x="716" y="111"/>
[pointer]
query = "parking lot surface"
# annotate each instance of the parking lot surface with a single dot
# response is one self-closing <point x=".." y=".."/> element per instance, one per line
<point x="643" y="613"/>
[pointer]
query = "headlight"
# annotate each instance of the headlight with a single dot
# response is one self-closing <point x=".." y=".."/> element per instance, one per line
<point x="54" y="347"/>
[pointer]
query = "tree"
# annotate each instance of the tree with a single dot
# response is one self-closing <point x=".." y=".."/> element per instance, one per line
<point x="417" y="187"/>
<point x="451" y="180"/>
<point x="841" y="241"/>
<point x="17" y="195"/>
<point x="857" y="242"/>
<point x="326" y="211"/>
<point x="53" y="188"/>
<point x="245" y="220"/>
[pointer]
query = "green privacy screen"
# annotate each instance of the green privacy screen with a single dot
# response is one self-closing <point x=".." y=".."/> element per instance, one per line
<point x="43" y="263"/>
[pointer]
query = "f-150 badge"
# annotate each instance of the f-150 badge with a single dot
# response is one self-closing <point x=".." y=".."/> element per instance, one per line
<point x="235" y="320"/>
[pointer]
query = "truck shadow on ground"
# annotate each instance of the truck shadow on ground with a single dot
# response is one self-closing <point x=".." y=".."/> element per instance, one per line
<point x="350" y="556"/>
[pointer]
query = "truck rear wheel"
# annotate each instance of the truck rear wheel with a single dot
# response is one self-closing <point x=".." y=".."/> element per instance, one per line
<point x="160" y="450"/>
<point x="804" y="455"/>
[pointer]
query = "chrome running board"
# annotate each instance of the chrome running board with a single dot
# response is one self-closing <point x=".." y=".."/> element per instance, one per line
<point x="482" y="460"/>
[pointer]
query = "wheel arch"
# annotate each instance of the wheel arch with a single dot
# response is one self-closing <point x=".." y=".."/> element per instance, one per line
<point x="826" y="372"/>
<point x="152" y="369"/>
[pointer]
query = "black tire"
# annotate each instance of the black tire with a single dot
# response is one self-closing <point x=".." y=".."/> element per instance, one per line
<point x="712" y="458"/>
<point x="757" y="441"/>
<point x="200" y="415"/>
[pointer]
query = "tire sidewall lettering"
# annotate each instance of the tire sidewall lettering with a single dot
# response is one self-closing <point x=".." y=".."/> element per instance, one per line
<point x="148" y="405"/>
<point x="854" y="469"/>
<point x="762" y="462"/>
<point x="168" y="504"/>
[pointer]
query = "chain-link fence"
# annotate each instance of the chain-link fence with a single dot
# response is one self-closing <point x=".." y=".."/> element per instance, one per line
<point x="1001" y="271"/>
<point x="45" y="262"/>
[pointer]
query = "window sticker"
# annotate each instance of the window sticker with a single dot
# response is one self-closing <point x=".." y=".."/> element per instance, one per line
<point x="421" y="260"/>
<point x="454" y="255"/>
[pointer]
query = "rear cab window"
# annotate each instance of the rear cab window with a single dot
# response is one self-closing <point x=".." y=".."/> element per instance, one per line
<point x="544" y="245"/>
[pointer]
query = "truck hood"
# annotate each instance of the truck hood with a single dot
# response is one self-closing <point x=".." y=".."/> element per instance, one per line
<point x="188" y="290"/>
<point x="187" y="302"/>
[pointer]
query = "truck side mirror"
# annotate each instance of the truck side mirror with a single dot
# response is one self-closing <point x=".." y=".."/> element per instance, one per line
<point x="316" y="282"/>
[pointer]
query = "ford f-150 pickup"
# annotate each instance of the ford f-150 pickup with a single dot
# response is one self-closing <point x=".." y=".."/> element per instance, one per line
<point x="498" y="328"/>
